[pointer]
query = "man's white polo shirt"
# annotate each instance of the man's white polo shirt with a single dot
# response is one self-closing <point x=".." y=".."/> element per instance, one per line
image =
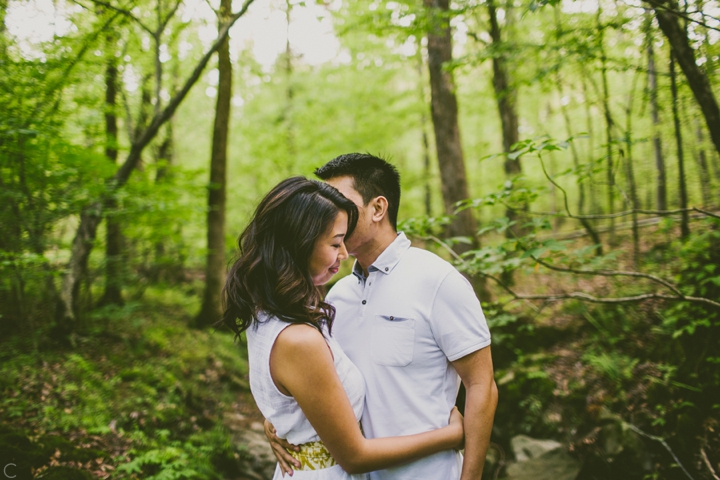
<point x="402" y="326"/>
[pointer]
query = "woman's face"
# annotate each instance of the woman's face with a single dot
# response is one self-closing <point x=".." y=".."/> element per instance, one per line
<point x="329" y="251"/>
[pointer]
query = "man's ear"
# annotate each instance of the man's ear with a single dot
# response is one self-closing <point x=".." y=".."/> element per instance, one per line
<point x="379" y="207"/>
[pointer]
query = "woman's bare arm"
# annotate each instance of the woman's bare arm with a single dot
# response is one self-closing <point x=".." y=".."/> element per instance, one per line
<point x="301" y="365"/>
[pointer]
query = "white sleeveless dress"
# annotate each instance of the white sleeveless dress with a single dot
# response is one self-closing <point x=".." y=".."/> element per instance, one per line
<point x="282" y="410"/>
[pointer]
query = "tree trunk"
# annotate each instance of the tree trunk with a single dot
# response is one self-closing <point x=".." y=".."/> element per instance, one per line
<point x="289" y="95"/>
<point x="114" y="236"/>
<point x="505" y="94"/>
<point x="609" y="124"/>
<point x="425" y="140"/>
<point x="3" y="13"/>
<point x="426" y="166"/>
<point x="90" y="216"/>
<point x="630" y="175"/>
<point x="701" y="158"/>
<point x="444" y="110"/>
<point x="666" y="14"/>
<point x="591" y="144"/>
<point x="506" y="99"/>
<point x="211" y="310"/>
<point x="684" y="223"/>
<point x="163" y="269"/>
<point x="661" y="197"/>
<point x="576" y="163"/>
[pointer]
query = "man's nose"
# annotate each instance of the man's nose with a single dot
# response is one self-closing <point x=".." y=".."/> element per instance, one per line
<point x="343" y="252"/>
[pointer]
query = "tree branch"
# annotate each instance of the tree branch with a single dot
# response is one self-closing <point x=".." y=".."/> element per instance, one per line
<point x="170" y="14"/>
<point x="708" y="464"/>
<point x="57" y="87"/>
<point x="679" y="297"/>
<point x="631" y="299"/>
<point x="684" y="16"/>
<point x="123" y="173"/>
<point x="611" y="273"/>
<point x="623" y="213"/>
<point x="125" y="12"/>
<point x="610" y="215"/>
<point x="664" y="444"/>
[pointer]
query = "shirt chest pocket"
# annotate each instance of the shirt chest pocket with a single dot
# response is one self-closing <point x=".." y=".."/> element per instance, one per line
<point x="393" y="340"/>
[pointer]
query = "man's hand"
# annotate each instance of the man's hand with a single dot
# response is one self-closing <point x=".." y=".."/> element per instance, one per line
<point x="280" y="448"/>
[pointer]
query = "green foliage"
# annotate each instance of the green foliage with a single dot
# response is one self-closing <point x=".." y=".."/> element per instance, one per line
<point x="145" y="377"/>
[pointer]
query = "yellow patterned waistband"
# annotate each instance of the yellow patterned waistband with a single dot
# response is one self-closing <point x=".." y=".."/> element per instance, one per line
<point x="313" y="456"/>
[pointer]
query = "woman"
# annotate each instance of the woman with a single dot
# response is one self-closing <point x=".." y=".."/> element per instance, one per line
<point x="301" y="380"/>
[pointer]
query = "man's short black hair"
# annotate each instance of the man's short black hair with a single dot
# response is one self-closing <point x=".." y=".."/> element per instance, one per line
<point x="372" y="177"/>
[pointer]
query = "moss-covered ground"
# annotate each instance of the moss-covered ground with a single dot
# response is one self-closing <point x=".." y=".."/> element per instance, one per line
<point x="139" y="396"/>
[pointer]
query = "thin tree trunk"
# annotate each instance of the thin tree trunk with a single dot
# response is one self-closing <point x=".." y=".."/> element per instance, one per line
<point x="114" y="240"/>
<point x="3" y="13"/>
<point x="581" y="181"/>
<point x="701" y="158"/>
<point x="685" y="221"/>
<point x="289" y="95"/>
<point x="709" y="67"/>
<point x="165" y="154"/>
<point x="505" y="94"/>
<point x="425" y="140"/>
<point x="91" y="216"/>
<point x="665" y="12"/>
<point x="444" y="111"/>
<point x="506" y="99"/>
<point x="211" y="310"/>
<point x="610" y="178"/>
<point x="630" y="174"/>
<point x="573" y="150"/>
<point x="165" y="159"/>
<point x="591" y="145"/>
<point x="661" y="197"/>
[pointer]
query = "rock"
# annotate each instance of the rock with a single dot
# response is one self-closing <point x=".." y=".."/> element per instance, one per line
<point x="494" y="460"/>
<point x="553" y="465"/>
<point x="524" y="448"/>
<point x="257" y="458"/>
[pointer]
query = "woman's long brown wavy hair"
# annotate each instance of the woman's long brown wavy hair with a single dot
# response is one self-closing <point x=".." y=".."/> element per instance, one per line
<point x="271" y="275"/>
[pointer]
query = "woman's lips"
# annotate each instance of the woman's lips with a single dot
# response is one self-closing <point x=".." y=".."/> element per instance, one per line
<point x="334" y="270"/>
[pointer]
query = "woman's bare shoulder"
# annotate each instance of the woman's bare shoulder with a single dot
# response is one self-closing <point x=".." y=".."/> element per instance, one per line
<point x="301" y="339"/>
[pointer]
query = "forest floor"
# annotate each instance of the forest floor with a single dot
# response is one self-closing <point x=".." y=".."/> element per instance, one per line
<point x="139" y="396"/>
<point x="631" y="388"/>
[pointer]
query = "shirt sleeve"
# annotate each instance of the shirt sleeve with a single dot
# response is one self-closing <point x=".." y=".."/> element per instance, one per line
<point x="457" y="319"/>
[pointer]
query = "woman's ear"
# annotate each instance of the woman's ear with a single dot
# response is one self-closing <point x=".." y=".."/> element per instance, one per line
<point x="379" y="208"/>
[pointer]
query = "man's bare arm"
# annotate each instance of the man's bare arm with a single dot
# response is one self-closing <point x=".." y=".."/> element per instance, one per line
<point x="476" y="372"/>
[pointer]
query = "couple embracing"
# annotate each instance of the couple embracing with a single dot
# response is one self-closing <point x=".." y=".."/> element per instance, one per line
<point x="364" y="380"/>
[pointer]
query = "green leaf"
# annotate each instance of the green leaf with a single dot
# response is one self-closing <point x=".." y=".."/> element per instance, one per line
<point x="534" y="252"/>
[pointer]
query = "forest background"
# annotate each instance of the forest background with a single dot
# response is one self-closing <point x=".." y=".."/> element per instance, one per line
<point x="562" y="154"/>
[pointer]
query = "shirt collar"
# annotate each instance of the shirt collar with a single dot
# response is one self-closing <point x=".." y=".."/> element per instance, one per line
<point x="388" y="259"/>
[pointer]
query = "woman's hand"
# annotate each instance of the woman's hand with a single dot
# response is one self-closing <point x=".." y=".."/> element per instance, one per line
<point x="280" y="447"/>
<point x="457" y="425"/>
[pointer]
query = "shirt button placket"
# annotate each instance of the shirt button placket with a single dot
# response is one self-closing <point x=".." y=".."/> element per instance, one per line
<point x="367" y="291"/>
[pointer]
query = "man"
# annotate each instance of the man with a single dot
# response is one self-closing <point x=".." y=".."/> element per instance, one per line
<point x="412" y="325"/>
